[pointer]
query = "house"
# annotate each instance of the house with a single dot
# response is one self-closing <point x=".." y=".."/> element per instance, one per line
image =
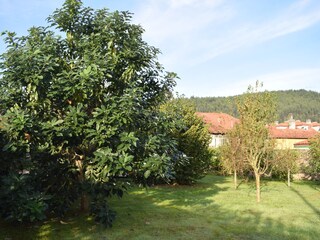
<point x="219" y="124"/>
<point x="294" y="134"/>
<point x="292" y="138"/>
<point x="302" y="145"/>
<point x="297" y="124"/>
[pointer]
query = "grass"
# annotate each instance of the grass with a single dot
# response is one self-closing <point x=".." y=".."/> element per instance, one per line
<point x="211" y="209"/>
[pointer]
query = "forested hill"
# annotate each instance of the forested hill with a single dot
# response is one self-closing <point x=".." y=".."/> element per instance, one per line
<point x="301" y="103"/>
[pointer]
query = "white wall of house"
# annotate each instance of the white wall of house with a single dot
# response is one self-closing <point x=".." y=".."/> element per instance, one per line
<point x="317" y="128"/>
<point x="217" y="140"/>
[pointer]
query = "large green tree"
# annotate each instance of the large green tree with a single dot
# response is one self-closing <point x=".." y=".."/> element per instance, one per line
<point x="80" y="113"/>
<point x="257" y="110"/>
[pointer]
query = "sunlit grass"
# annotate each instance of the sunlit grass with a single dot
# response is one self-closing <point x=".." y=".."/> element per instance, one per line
<point x="211" y="209"/>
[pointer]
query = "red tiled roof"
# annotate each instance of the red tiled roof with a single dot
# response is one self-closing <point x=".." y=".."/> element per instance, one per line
<point x="298" y="123"/>
<point x="315" y="124"/>
<point x="219" y="123"/>
<point x="302" y="143"/>
<point x="292" y="133"/>
<point x="282" y="125"/>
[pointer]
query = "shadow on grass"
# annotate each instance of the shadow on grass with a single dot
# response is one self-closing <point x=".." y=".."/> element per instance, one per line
<point x="308" y="203"/>
<point x="315" y="185"/>
<point x="187" y="195"/>
<point x="171" y="212"/>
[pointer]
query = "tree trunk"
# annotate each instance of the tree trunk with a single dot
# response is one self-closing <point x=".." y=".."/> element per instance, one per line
<point x="235" y="180"/>
<point x="289" y="183"/>
<point x="84" y="203"/>
<point x="258" y="194"/>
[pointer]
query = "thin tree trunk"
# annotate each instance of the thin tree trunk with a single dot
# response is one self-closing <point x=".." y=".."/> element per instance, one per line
<point x="289" y="183"/>
<point x="84" y="202"/>
<point x="258" y="194"/>
<point x="235" y="179"/>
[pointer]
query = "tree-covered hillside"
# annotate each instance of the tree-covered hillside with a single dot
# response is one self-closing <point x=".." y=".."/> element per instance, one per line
<point x="301" y="103"/>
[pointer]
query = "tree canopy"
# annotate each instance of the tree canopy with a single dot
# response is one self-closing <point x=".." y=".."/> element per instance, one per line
<point x="254" y="146"/>
<point x="80" y="114"/>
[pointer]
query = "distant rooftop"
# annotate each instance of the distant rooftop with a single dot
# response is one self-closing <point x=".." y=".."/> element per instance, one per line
<point x="292" y="133"/>
<point x="219" y="123"/>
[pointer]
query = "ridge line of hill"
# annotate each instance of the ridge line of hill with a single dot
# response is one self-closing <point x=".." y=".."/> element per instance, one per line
<point x="303" y="104"/>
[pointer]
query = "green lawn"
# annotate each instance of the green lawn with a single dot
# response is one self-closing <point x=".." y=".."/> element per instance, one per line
<point x="212" y="209"/>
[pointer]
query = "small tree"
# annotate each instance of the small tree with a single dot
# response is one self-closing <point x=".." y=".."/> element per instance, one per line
<point x="285" y="161"/>
<point x="231" y="154"/>
<point x="256" y="110"/>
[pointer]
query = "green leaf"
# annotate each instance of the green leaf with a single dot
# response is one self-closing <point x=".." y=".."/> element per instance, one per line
<point x="147" y="174"/>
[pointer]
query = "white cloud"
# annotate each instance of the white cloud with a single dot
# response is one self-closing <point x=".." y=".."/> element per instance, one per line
<point x="194" y="31"/>
<point x="177" y="19"/>
<point x="177" y="26"/>
<point x="294" y="19"/>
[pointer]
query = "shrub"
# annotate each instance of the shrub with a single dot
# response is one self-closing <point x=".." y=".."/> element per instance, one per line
<point x="193" y="141"/>
<point x="20" y="201"/>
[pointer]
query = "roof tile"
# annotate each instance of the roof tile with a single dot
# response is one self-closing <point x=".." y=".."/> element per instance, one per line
<point x="292" y="133"/>
<point x="219" y="123"/>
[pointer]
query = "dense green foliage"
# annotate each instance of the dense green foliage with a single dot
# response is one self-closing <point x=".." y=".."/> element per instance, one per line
<point x="216" y="164"/>
<point x="301" y="103"/>
<point x="215" y="104"/>
<point x="193" y="140"/>
<point x="80" y="114"/>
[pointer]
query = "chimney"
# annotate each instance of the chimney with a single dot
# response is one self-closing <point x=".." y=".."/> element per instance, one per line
<point x="276" y="122"/>
<point x="292" y="122"/>
<point x="308" y="121"/>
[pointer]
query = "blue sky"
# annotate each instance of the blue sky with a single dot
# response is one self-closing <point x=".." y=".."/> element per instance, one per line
<point x="217" y="47"/>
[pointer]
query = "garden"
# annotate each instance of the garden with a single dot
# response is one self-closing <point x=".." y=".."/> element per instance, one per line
<point x="210" y="209"/>
<point x="94" y="145"/>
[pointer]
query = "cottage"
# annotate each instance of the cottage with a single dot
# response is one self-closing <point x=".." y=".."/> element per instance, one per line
<point x="292" y="138"/>
<point x="292" y="134"/>
<point x="219" y="124"/>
